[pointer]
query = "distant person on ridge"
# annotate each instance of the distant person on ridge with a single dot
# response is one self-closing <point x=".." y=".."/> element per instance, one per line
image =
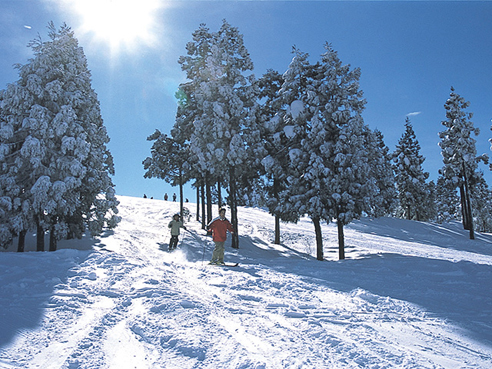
<point x="219" y="227"/>
<point x="174" y="226"/>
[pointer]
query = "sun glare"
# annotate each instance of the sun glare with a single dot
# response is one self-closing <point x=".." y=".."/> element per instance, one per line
<point x="122" y="24"/>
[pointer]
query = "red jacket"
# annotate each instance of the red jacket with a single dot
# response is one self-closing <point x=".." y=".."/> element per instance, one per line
<point x="219" y="228"/>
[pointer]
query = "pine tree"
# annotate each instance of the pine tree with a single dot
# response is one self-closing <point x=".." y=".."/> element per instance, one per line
<point x="459" y="154"/>
<point x="290" y="125"/>
<point x="61" y="166"/>
<point x="447" y="201"/>
<point x="482" y="209"/>
<point x="191" y="123"/>
<point x="225" y="135"/>
<point x="429" y="210"/>
<point x="190" y="109"/>
<point x="354" y="185"/>
<point x="328" y="174"/>
<point x="15" y="215"/>
<point x="275" y="139"/>
<point x="182" y="131"/>
<point x="168" y="162"/>
<point x="413" y="192"/>
<point x="385" y="201"/>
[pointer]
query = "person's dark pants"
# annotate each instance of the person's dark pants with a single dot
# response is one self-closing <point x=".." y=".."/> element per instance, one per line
<point x="173" y="243"/>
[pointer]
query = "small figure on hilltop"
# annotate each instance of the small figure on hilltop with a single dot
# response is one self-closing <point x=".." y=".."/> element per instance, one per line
<point x="219" y="227"/>
<point x="165" y="197"/>
<point x="174" y="197"/>
<point x="174" y="226"/>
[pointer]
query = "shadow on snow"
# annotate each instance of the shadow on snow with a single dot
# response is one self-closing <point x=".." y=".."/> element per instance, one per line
<point x="459" y="292"/>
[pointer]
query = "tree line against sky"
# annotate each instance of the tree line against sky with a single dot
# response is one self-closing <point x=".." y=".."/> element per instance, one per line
<point x="296" y="143"/>
<point x="293" y="142"/>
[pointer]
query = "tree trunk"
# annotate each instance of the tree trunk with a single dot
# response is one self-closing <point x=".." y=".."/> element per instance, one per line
<point x="219" y="194"/>
<point x="277" y="218"/>
<point x="464" y="208"/>
<point x="319" y="239"/>
<point x="470" y="219"/>
<point x="203" y="205"/>
<point x="181" y="194"/>
<point x="209" y="199"/>
<point x="22" y="241"/>
<point x="53" y="242"/>
<point x="277" y="230"/>
<point x="469" y="208"/>
<point x="197" y="202"/>
<point x="39" y="238"/>
<point x="233" y="205"/>
<point x="341" y="240"/>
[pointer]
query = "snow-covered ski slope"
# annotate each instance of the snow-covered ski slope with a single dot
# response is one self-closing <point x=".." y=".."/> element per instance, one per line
<point x="409" y="295"/>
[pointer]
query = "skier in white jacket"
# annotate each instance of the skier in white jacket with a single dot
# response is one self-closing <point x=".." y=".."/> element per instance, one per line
<point x="174" y="226"/>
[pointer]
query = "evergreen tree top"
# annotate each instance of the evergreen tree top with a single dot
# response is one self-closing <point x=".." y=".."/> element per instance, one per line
<point x="457" y="143"/>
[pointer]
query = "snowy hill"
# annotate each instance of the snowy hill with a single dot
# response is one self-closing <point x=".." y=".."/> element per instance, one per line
<point x="409" y="295"/>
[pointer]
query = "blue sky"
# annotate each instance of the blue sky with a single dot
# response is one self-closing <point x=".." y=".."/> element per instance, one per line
<point x="410" y="54"/>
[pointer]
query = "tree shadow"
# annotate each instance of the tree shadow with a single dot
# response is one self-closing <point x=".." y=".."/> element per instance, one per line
<point x="28" y="281"/>
<point x="460" y="292"/>
<point x="441" y="235"/>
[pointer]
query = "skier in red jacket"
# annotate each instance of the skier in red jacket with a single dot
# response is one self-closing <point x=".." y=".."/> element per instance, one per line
<point x="219" y="227"/>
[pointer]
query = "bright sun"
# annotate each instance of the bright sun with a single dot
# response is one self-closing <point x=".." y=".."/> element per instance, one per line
<point x="122" y="24"/>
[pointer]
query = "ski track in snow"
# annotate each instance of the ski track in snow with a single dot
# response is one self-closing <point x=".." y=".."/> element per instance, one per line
<point x="131" y="304"/>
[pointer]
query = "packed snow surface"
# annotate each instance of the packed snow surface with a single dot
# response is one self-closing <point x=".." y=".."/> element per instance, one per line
<point x="409" y="295"/>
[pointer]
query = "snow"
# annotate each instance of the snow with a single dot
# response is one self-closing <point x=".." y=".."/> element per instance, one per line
<point x="296" y="108"/>
<point x="268" y="162"/>
<point x="289" y="131"/>
<point x="409" y="295"/>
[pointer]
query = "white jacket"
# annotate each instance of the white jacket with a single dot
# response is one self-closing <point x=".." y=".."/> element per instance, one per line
<point x="175" y="226"/>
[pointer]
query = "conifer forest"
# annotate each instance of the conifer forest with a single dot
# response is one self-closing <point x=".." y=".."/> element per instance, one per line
<point x="291" y="141"/>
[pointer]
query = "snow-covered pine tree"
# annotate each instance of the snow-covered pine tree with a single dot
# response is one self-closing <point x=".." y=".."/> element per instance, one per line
<point x="275" y="140"/>
<point x="482" y="209"/>
<point x="190" y="124"/>
<point x="225" y="134"/>
<point x="15" y="215"/>
<point x="238" y="98"/>
<point x="413" y="191"/>
<point x="290" y="125"/>
<point x="181" y="133"/>
<point x="194" y="63"/>
<point x="447" y="201"/>
<point x="429" y="212"/>
<point x="385" y="201"/>
<point x="63" y="166"/>
<point x="278" y="112"/>
<point x="352" y="185"/>
<point x="328" y="171"/>
<point x="168" y="161"/>
<point x="459" y="154"/>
